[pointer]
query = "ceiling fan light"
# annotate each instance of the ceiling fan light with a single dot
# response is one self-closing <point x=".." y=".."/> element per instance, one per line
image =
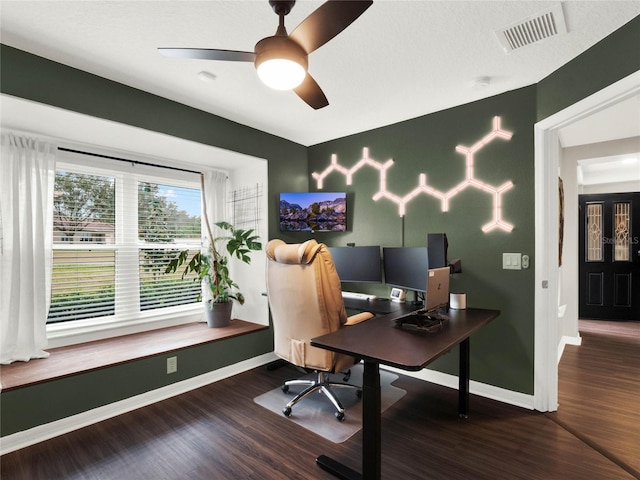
<point x="281" y="73"/>
<point x="281" y="63"/>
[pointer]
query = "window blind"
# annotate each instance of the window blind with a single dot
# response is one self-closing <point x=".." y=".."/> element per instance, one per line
<point x="113" y="236"/>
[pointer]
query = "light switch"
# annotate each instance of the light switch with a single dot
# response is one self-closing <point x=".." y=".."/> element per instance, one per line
<point x="511" y="261"/>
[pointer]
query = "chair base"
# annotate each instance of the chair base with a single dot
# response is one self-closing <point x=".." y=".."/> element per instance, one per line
<point x="323" y="385"/>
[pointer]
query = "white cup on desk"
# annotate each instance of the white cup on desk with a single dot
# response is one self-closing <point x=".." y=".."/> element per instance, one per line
<point x="458" y="301"/>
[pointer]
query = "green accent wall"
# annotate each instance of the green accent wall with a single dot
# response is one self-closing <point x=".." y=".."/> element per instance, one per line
<point x="502" y="354"/>
<point x="428" y="145"/>
<point x="613" y="58"/>
<point x="28" y="407"/>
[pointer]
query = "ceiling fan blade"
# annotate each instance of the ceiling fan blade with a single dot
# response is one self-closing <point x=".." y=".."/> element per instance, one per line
<point x="208" y="54"/>
<point x="331" y="18"/>
<point x="311" y="93"/>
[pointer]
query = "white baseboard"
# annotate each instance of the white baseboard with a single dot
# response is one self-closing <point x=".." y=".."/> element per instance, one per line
<point x="46" y="431"/>
<point x="566" y="340"/>
<point x="477" y="388"/>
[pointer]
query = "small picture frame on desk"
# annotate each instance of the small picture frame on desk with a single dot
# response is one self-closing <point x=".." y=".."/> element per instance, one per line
<point x="397" y="295"/>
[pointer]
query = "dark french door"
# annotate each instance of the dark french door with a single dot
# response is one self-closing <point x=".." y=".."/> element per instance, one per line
<point x="609" y="256"/>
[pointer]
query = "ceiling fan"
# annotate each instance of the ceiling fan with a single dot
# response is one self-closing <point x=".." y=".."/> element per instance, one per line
<point x="281" y="60"/>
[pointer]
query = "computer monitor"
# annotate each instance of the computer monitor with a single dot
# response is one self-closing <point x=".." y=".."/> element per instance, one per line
<point x="406" y="267"/>
<point x="438" y="245"/>
<point x="358" y="264"/>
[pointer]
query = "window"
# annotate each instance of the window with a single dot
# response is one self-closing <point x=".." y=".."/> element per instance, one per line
<point x="114" y="230"/>
<point x="622" y="226"/>
<point x="594" y="233"/>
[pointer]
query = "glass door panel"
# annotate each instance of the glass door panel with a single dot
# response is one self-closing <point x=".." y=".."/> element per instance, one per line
<point x="622" y="245"/>
<point x="594" y="232"/>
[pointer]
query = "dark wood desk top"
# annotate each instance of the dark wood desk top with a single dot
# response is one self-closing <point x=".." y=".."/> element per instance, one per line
<point x="378" y="339"/>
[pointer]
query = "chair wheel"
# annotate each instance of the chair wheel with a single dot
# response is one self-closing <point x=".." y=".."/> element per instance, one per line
<point x="340" y="416"/>
<point x="285" y="388"/>
<point x="286" y="411"/>
<point x="359" y="393"/>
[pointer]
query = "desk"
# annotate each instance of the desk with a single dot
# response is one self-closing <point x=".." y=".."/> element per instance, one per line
<point x="377" y="342"/>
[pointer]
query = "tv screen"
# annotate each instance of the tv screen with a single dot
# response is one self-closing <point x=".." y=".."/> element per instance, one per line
<point x="357" y="264"/>
<point x="313" y="212"/>
<point x="406" y="267"/>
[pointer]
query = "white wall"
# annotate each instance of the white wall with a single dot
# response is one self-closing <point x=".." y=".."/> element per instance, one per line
<point x="251" y="278"/>
<point x="608" y="167"/>
<point x="619" y="187"/>
<point x="568" y="280"/>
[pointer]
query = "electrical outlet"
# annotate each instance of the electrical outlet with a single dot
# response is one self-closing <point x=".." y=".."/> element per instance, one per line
<point x="172" y="365"/>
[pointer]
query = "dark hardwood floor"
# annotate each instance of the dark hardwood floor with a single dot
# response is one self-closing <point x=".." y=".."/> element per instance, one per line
<point x="599" y="390"/>
<point x="218" y="432"/>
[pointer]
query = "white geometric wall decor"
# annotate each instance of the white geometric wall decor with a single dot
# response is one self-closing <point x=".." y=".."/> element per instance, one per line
<point x="423" y="188"/>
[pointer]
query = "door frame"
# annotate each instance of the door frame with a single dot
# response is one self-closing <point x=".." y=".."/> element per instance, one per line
<point x="547" y="159"/>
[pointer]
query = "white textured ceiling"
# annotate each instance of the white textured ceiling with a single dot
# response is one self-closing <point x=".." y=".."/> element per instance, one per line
<point x="399" y="60"/>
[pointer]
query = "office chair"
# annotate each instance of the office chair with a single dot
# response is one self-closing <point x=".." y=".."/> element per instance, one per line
<point x="305" y="300"/>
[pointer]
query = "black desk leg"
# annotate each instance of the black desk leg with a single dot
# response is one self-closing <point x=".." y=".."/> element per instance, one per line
<point x="371" y="434"/>
<point x="337" y="469"/>
<point x="463" y="380"/>
<point x="371" y="422"/>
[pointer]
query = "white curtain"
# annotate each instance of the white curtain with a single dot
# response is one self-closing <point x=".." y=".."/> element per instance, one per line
<point x="27" y="172"/>
<point x="214" y="195"/>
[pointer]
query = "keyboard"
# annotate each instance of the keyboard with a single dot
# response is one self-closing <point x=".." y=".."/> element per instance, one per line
<point x="358" y="296"/>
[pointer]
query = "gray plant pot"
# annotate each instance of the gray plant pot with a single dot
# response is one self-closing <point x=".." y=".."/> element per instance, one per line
<point x="219" y="315"/>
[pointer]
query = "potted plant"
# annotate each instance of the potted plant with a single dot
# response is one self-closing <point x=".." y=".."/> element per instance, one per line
<point x="211" y="266"/>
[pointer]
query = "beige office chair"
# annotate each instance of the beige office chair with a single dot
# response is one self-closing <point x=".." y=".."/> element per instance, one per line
<point x="305" y="299"/>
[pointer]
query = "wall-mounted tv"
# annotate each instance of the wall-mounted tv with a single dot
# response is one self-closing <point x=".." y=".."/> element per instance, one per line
<point x="313" y="211"/>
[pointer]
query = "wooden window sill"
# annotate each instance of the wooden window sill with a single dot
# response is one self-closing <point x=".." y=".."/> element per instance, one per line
<point x="73" y="359"/>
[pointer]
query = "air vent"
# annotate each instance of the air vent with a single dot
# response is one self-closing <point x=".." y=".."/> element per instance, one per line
<point x="533" y="29"/>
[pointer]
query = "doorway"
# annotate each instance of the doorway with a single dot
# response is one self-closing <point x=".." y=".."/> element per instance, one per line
<point x="609" y="266"/>
<point x="547" y="154"/>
